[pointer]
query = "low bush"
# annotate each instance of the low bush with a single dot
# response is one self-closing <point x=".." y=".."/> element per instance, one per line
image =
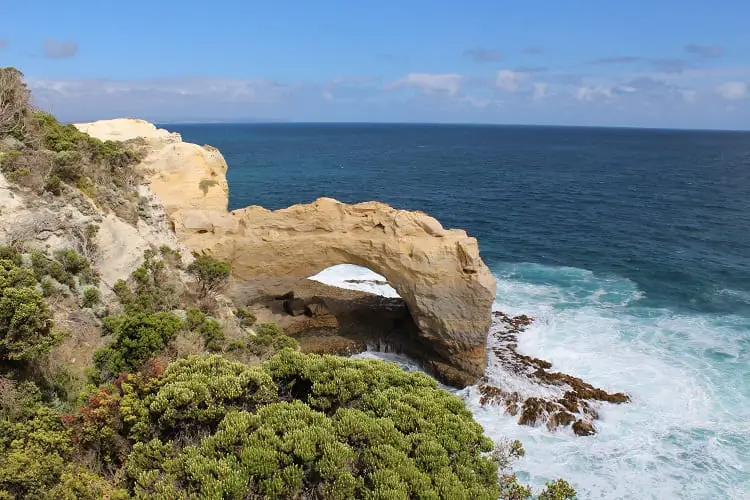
<point x="25" y="320"/>
<point x="246" y="318"/>
<point x="136" y="338"/>
<point x="211" y="274"/>
<point x="303" y="426"/>
<point x="151" y="289"/>
<point x="208" y="328"/>
<point x="91" y="296"/>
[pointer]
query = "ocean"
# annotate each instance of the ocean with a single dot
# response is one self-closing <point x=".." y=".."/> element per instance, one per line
<point x="630" y="247"/>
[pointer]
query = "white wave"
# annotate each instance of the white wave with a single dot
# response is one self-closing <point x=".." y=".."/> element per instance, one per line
<point x="676" y="439"/>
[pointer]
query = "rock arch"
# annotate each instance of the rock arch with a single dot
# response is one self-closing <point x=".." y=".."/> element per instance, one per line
<point x="438" y="272"/>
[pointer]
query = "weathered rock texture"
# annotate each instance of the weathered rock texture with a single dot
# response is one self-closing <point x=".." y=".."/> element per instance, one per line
<point x="182" y="174"/>
<point x="438" y="272"/>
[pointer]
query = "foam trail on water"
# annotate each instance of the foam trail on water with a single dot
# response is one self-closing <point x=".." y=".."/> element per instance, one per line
<point x="686" y="434"/>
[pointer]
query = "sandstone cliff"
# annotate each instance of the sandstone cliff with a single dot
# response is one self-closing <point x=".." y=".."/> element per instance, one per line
<point x="439" y="273"/>
<point x="182" y="174"/>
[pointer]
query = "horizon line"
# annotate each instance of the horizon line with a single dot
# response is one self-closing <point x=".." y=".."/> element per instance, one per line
<point x="469" y="124"/>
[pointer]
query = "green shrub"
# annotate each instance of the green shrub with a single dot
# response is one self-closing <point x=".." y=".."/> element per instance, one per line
<point x="558" y="490"/>
<point x="33" y="454"/>
<point x="151" y="289"/>
<point x="137" y="337"/>
<point x="77" y="483"/>
<point x="25" y="320"/>
<point x="66" y="265"/>
<point x="48" y="287"/>
<point x="268" y="340"/>
<point x="209" y="329"/>
<point x="211" y="274"/>
<point x="268" y="329"/>
<point x="193" y="396"/>
<point x="246" y="318"/>
<point x="16" y="103"/>
<point x="91" y="296"/>
<point x="10" y="253"/>
<point x="53" y="185"/>
<point x="336" y="428"/>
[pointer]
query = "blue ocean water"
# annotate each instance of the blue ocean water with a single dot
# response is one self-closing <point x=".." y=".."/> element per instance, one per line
<point x="630" y="247"/>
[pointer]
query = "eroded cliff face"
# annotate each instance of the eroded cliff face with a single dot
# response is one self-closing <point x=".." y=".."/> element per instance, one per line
<point x="182" y="174"/>
<point x="438" y="272"/>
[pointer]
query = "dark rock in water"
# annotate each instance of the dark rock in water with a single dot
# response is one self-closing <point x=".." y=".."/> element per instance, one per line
<point x="563" y="418"/>
<point x="583" y="428"/>
<point x="286" y="296"/>
<point x="295" y="307"/>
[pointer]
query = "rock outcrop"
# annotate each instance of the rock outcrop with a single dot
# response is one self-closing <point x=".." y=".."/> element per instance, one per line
<point x="182" y="174"/>
<point x="438" y="272"/>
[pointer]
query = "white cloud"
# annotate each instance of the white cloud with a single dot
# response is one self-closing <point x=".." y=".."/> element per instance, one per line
<point x="732" y="91"/>
<point x="540" y="90"/>
<point x="590" y="93"/>
<point x="508" y="80"/>
<point x="248" y="90"/>
<point x="689" y="95"/>
<point x="448" y="83"/>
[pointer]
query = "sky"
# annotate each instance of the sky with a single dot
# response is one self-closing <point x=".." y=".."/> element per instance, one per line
<point x="656" y="63"/>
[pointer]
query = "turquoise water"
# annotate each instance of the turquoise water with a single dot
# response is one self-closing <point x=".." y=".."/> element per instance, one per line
<point x="631" y="248"/>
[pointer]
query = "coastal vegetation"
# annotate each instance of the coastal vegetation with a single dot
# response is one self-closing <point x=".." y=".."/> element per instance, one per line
<point x="186" y="397"/>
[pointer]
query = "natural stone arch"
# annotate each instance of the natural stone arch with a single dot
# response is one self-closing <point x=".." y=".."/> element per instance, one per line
<point x="438" y="272"/>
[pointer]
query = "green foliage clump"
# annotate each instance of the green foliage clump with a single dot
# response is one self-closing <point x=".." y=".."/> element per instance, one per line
<point x="208" y="328"/>
<point x="137" y="337"/>
<point x="25" y="320"/>
<point x="68" y="268"/>
<point x="303" y="426"/>
<point x="15" y="100"/>
<point x="192" y="397"/>
<point x="72" y="145"/>
<point x="78" y="483"/>
<point x="91" y="296"/>
<point x="151" y="288"/>
<point x="559" y="489"/>
<point x="34" y="452"/>
<point x="211" y="274"/>
<point x="76" y="264"/>
<point x="267" y="340"/>
<point x="246" y="318"/>
<point x="10" y="253"/>
<point x="37" y="451"/>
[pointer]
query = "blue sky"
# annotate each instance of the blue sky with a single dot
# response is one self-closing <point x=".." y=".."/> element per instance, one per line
<point x="658" y="63"/>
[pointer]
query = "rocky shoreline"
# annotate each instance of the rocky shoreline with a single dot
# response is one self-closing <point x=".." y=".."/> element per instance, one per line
<point x="570" y="401"/>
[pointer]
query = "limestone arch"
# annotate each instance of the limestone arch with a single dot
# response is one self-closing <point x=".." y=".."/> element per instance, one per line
<point x="438" y="272"/>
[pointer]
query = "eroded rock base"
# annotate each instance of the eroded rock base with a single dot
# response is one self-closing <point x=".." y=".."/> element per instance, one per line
<point x="574" y="400"/>
<point x="331" y="320"/>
